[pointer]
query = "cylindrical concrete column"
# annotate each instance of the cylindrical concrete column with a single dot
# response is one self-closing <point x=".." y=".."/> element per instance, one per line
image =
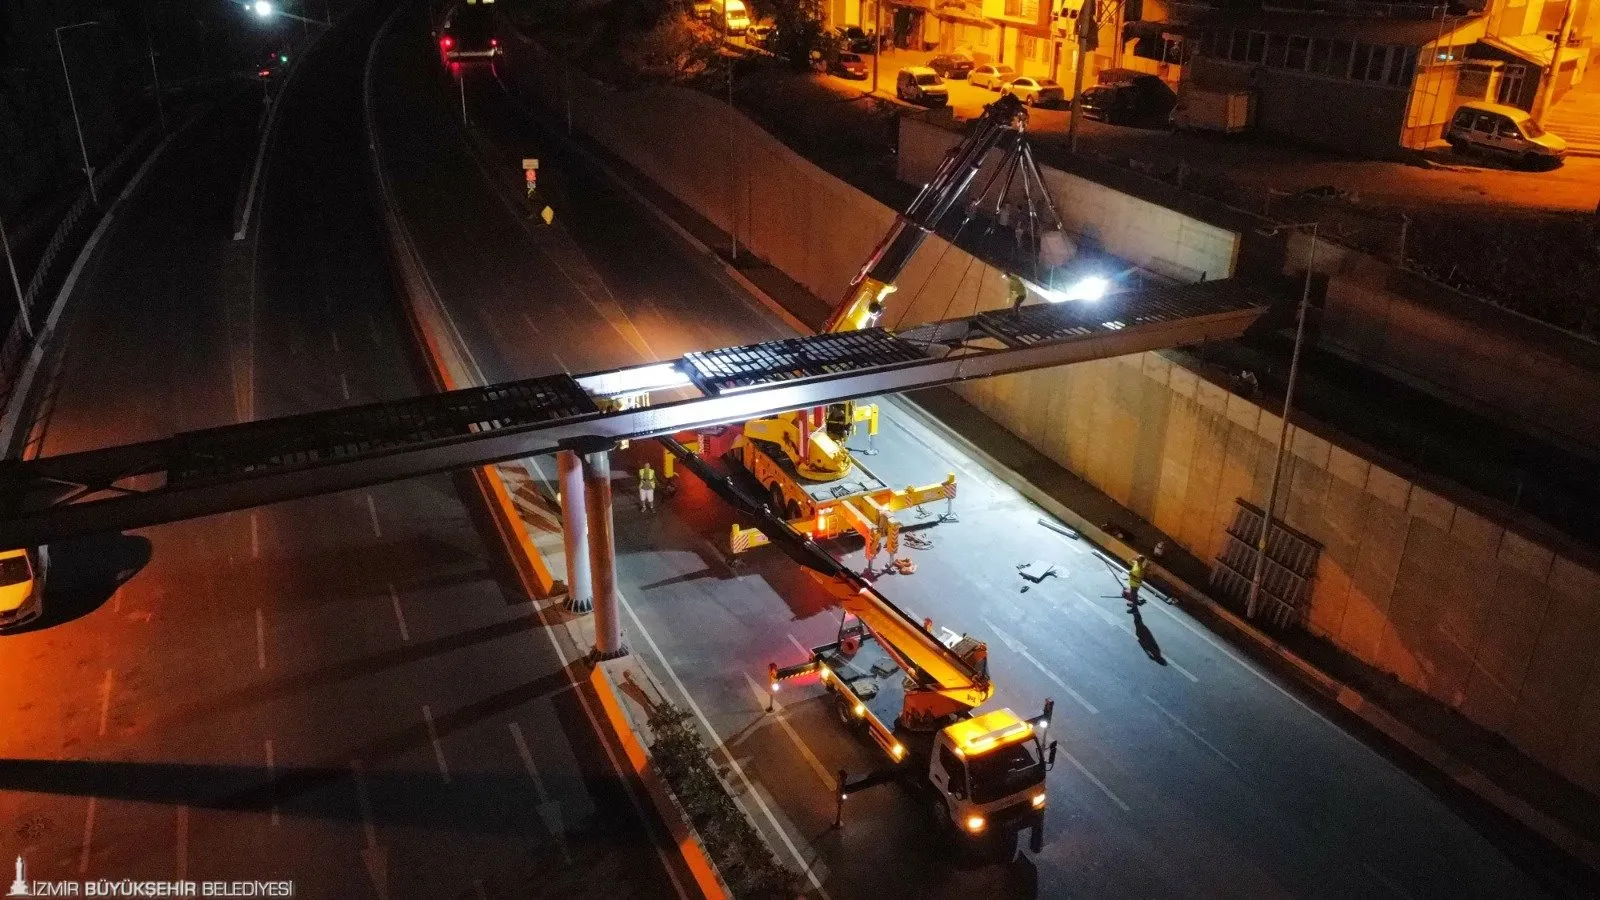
<point x="575" y="532"/>
<point x="602" y="556"/>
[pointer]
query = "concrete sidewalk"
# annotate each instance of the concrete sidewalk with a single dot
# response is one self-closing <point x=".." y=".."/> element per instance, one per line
<point x="1551" y="822"/>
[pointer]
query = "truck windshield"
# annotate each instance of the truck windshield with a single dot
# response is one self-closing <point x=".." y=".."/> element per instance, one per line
<point x="1006" y="771"/>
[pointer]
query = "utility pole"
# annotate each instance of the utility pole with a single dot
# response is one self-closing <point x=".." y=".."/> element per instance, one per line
<point x="733" y="168"/>
<point x="72" y="99"/>
<point x="1253" y="600"/>
<point x="1088" y="32"/>
<point x="22" y="306"/>
<point x="1547" y="92"/>
<point x="877" y="40"/>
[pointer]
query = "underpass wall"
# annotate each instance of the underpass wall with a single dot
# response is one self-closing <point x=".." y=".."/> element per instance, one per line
<point x="1491" y="623"/>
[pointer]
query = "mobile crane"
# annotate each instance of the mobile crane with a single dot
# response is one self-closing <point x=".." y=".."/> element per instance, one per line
<point x="801" y="458"/>
<point x="914" y="692"/>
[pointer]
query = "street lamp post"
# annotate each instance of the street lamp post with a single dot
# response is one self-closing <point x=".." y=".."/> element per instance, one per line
<point x="88" y="170"/>
<point x="1253" y="600"/>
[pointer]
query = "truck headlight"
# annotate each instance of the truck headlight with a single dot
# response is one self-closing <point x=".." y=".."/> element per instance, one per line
<point x="975" y="824"/>
<point x="1038" y="800"/>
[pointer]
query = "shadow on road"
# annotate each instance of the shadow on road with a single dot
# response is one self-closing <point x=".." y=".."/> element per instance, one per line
<point x="1147" y="640"/>
<point x="85" y="573"/>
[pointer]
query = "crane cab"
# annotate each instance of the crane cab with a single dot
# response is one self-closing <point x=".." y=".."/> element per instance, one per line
<point x="988" y="772"/>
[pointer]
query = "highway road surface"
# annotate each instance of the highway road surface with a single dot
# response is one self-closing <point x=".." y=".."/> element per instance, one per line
<point x="1185" y="769"/>
<point x="336" y="691"/>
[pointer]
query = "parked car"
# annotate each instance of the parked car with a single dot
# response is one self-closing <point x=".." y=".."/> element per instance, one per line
<point x="735" y="18"/>
<point x="1493" y="129"/>
<point x="1126" y="97"/>
<point x="857" y="41"/>
<point x="990" y="75"/>
<point x="951" y="65"/>
<point x="1036" y="91"/>
<point x="22" y="577"/>
<point x="758" y="34"/>
<point x="848" y="65"/>
<point x="920" y="84"/>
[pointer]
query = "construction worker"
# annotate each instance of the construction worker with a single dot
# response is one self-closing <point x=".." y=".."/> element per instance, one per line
<point x="1016" y="291"/>
<point x="647" y="488"/>
<point x="1135" y="581"/>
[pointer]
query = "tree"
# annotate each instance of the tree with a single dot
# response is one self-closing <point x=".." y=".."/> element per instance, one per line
<point x="800" y="30"/>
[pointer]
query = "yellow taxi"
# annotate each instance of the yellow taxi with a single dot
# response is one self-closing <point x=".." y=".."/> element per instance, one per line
<point x="22" y="575"/>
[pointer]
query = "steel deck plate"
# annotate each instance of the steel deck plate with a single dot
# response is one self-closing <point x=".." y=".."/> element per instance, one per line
<point x="792" y="359"/>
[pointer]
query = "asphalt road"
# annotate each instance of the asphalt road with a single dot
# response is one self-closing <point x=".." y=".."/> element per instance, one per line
<point x="335" y="691"/>
<point x="1186" y="770"/>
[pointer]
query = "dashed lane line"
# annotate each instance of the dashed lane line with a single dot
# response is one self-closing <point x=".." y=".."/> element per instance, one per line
<point x="1091" y="776"/>
<point x="1194" y="734"/>
<point x="438" y="748"/>
<point x="829" y="781"/>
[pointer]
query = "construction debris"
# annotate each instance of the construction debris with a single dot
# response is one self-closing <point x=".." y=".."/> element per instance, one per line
<point x="902" y="566"/>
<point x="916" y="541"/>
<point x="1059" y="528"/>
<point x="1036" y="571"/>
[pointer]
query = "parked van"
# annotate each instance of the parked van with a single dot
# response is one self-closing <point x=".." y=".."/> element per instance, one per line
<point x="736" y="16"/>
<point x="1504" y="131"/>
<point x="920" y="84"/>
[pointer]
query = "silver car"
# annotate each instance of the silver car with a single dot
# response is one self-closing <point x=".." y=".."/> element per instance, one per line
<point x="1035" y="91"/>
<point x="991" y="76"/>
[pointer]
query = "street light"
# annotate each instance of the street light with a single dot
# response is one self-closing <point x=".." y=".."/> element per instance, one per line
<point x="88" y="171"/>
<point x="1288" y="406"/>
<point x="262" y="8"/>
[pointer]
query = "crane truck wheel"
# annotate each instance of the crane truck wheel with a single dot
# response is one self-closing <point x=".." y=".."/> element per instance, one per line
<point x="779" y="504"/>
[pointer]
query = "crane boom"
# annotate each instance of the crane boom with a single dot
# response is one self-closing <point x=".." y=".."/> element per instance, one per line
<point x="1000" y="127"/>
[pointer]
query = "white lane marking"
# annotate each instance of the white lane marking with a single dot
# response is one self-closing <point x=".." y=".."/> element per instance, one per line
<point x="1265" y="679"/>
<point x="438" y="748"/>
<point x="272" y="783"/>
<point x="399" y="614"/>
<point x="183" y="843"/>
<point x="344" y="385"/>
<point x="1017" y="647"/>
<point x="88" y="837"/>
<point x="733" y="764"/>
<point x="116" y="601"/>
<point x="368" y="829"/>
<point x="335" y="334"/>
<point x="261" y="639"/>
<point x="761" y="695"/>
<point x="1114" y="621"/>
<point x="372" y="512"/>
<point x="549" y="811"/>
<point x="1097" y="782"/>
<point x="255" y="537"/>
<point x="528" y="320"/>
<point x="105" y="702"/>
<point x="804" y="650"/>
<point x="372" y="328"/>
<point x="1194" y="734"/>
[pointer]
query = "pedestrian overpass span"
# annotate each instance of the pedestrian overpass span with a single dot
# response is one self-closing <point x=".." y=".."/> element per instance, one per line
<point x="235" y="467"/>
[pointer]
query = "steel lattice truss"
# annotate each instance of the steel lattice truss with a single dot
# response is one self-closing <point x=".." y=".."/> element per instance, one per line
<point x="239" y="466"/>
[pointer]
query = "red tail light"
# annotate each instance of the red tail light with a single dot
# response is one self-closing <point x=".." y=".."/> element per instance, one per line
<point x="494" y="42"/>
<point x="447" y="42"/>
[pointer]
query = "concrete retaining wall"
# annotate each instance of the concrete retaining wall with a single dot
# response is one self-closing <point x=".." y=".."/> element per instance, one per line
<point x="1488" y="622"/>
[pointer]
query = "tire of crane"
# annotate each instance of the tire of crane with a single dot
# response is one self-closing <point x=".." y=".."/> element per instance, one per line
<point x="779" y="503"/>
<point x="791" y="510"/>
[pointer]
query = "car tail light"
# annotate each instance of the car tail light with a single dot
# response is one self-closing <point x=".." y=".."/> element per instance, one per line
<point x="494" y="42"/>
<point x="447" y="42"/>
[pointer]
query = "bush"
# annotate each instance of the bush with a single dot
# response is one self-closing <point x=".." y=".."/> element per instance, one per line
<point x="739" y="852"/>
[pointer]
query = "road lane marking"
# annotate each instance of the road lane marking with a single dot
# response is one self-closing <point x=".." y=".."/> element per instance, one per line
<point x="528" y="320"/>
<point x="261" y="639"/>
<point x="1017" y="647"/>
<point x="88" y="837"/>
<point x="183" y="843"/>
<point x="255" y="537"/>
<point x="1194" y="734"/>
<point x="1090" y="775"/>
<point x="372" y="328"/>
<point x="438" y="748"/>
<point x="336" y="350"/>
<point x="399" y="614"/>
<point x="373" y="857"/>
<point x="549" y="811"/>
<point x="344" y="385"/>
<point x="828" y="781"/>
<point x="105" y="702"/>
<point x="1114" y="621"/>
<point x="372" y="512"/>
<point x="804" y="650"/>
<point x="738" y="770"/>
<point x="272" y="784"/>
<point x="1386" y="882"/>
<point x="365" y="802"/>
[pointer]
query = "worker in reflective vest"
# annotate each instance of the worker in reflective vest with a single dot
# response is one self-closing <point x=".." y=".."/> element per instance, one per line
<point x="1135" y="581"/>
<point x="647" y="488"/>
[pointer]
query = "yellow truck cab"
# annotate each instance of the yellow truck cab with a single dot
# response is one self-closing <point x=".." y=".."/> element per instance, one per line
<point x="22" y="575"/>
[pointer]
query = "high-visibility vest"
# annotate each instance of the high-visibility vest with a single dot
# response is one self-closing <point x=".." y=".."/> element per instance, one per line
<point x="647" y="479"/>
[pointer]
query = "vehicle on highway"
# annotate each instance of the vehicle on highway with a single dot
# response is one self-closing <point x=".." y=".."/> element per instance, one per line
<point x="735" y="18"/>
<point x="848" y="65"/>
<point x="990" y="75"/>
<point x="1493" y="129"/>
<point x="921" y="84"/>
<point x="951" y="65"/>
<point x="22" y="577"/>
<point x="471" y="32"/>
<point x="1036" y="91"/>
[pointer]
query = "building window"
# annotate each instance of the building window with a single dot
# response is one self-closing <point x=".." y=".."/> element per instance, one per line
<point x="1320" y="49"/>
<point x="1276" y="45"/>
<point x="1339" y="58"/>
<point x="1256" y="47"/>
<point x="1028" y="47"/>
<point x="1370" y="62"/>
<point x="1014" y="8"/>
<point x="1299" y="47"/>
<point x="1403" y="64"/>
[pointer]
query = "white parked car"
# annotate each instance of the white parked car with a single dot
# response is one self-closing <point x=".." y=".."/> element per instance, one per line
<point x="920" y="84"/>
<point x="1504" y="131"/>
<point x="1036" y="91"/>
<point x="991" y="76"/>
